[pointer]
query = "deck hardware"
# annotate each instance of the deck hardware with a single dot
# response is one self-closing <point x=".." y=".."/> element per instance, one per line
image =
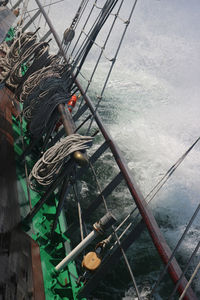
<point x="99" y="228"/>
<point x="68" y="35"/>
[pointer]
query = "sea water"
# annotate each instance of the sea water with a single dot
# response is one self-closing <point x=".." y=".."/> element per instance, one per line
<point x="152" y="111"/>
<point x="151" y="107"/>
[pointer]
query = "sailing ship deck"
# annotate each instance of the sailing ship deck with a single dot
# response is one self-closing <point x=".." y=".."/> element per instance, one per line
<point x="19" y="251"/>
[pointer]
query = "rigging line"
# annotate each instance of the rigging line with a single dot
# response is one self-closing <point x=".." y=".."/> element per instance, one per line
<point x="167" y="175"/>
<point x="98" y="185"/>
<point x="108" y="7"/>
<point x="172" y="169"/>
<point x="119" y="46"/>
<point x="49" y="8"/>
<point x="77" y="16"/>
<point x="33" y="22"/>
<point x="191" y="220"/>
<point x="83" y="47"/>
<point x="83" y="76"/>
<point x="115" y="233"/>
<point x="127" y="264"/>
<point x="102" y="50"/>
<point x="95" y="43"/>
<point x="176" y="248"/>
<point x="48" y="13"/>
<point x="78" y="204"/>
<point x="190" y="281"/>
<point x="49" y="4"/>
<point x="75" y="23"/>
<point x="112" y="14"/>
<point x="184" y="271"/>
<point x="40" y="16"/>
<point x="113" y="62"/>
<point x="86" y="119"/>
<point x="87" y="19"/>
<point x="104" y="45"/>
<point x="99" y="46"/>
<point x="122" y="234"/>
<point x="24" y="9"/>
<point x="189" y="224"/>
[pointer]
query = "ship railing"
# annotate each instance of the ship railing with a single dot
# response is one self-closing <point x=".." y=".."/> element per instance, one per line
<point x="122" y="176"/>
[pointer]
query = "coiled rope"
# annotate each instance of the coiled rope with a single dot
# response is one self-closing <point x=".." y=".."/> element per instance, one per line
<point x="37" y="50"/>
<point x="53" y="159"/>
<point x="42" y="92"/>
<point x="14" y="54"/>
<point x="34" y="79"/>
<point x="44" y="111"/>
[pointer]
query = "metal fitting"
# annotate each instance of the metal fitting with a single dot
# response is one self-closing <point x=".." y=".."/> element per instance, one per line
<point x="104" y="223"/>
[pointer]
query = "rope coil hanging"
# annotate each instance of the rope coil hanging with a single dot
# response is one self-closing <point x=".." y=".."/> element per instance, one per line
<point x="15" y="54"/>
<point x="54" y="158"/>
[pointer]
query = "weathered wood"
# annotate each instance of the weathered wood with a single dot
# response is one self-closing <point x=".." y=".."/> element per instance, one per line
<point x="9" y="216"/>
<point x="38" y="282"/>
<point x="20" y="271"/>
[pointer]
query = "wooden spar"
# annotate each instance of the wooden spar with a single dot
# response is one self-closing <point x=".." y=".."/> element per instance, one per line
<point x="69" y="127"/>
<point x="151" y="224"/>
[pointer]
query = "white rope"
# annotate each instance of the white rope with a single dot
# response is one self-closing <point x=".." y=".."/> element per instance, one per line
<point x="16" y="73"/>
<point x="53" y="159"/>
<point x="3" y="61"/>
<point x="11" y="62"/>
<point x="190" y="281"/>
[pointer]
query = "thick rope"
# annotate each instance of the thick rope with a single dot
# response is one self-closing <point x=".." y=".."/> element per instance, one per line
<point x="53" y="159"/>
<point x="14" y="54"/>
<point x="190" y="281"/>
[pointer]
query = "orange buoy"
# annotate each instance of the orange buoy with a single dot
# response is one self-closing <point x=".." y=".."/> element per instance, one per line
<point x="72" y="102"/>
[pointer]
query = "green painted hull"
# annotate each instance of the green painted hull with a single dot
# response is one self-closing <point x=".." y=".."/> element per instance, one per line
<point x="63" y="286"/>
